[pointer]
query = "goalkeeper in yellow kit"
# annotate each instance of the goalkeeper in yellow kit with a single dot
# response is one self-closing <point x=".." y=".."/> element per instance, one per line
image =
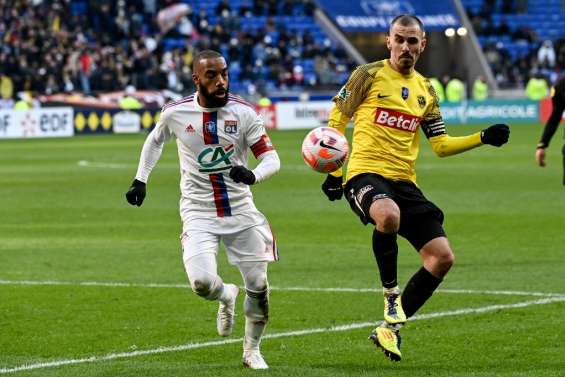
<point x="390" y="102"/>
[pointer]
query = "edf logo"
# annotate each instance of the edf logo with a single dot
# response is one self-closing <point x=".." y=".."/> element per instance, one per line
<point x="49" y="123"/>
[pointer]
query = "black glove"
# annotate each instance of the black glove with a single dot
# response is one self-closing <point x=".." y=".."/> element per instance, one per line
<point x="496" y="135"/>
<point x="333" y="187"/>
<point x="136" y="193"/>
<point x="240" y="174"/>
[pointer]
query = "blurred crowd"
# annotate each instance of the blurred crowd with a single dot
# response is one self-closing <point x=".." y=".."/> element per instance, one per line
<point x="516" y="53"/>
<point x="92" y="46"/>
<point x="101" y="45"/>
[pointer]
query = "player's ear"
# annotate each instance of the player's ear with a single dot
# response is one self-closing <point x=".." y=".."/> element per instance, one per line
<point x="388" y="45"/>
<point x="195" y="79"/>
<point x="423" y="44"/>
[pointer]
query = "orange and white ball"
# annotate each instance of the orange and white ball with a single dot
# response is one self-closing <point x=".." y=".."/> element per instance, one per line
<point x="324" y="149"/>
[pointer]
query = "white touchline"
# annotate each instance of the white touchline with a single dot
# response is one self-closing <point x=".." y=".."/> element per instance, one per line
<point x="352" y="326"/>
<point x="273" y="288"/>
<point x="113" y="165"/>
<point x="108" y="165"/>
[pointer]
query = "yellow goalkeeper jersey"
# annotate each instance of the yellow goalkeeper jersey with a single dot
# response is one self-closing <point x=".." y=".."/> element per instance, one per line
<point x="388" y="109"/>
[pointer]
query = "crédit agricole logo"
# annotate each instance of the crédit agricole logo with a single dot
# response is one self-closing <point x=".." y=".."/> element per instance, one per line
<point x="214" y="159"/>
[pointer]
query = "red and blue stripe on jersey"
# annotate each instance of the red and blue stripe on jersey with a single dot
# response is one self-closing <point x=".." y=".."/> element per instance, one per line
<point x="210" y="135"/>
<point x="210" y="127"/>
<point x="221" y="198"/>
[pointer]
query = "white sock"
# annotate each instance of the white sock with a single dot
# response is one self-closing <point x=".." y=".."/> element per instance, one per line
<point x="226" y="295"/>
<point x="253" y="332"/>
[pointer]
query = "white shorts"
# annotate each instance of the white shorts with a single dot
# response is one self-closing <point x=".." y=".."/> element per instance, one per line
<point x="247" y="237"/>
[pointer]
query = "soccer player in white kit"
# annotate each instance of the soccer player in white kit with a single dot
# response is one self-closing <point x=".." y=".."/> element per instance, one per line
<point x="214" y="132"/>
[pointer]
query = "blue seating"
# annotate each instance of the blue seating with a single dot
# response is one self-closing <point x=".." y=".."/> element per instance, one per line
<point x="298" y="22"/>
<point x="543" y="17"/>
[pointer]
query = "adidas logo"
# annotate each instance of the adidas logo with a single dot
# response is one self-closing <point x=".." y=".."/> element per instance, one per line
<point x="189" y="128"/>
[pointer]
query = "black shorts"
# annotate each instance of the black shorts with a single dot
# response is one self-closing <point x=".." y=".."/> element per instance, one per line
<point x="420" y="220"/>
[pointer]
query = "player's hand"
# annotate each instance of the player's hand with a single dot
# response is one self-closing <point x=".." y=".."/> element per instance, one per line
<point x="496" y="135"/>
<point x="136" y="193"/>
<point x="333" y="187"/>
<point x="540" y="156"/>
<point x="240" y="174"/>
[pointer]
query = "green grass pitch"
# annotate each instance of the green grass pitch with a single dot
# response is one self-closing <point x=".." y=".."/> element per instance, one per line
<point x="90" y="286"/>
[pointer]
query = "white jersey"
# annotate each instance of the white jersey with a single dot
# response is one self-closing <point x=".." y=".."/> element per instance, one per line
<point x="210" y="142"/>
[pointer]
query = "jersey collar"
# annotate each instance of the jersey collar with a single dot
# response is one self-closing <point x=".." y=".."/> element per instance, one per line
<point x="205" y="109"/>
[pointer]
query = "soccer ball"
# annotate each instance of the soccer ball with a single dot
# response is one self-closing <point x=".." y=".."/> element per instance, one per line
<point x="324" y="149"/>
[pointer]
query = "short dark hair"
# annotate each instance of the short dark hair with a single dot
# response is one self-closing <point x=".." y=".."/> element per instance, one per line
<point x="205" y="54"/>
<point x="407" y="20"/>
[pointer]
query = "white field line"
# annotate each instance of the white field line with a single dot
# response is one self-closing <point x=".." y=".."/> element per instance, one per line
<point x="273" y="288"/>
<point x="113" y="165"/>
<point x="352" y="326"/>
<point x="104" y="165"/>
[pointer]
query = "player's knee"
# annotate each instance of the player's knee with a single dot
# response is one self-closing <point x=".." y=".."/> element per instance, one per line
<point x="256" y="304"/>
<point x="386" y="215"/>
<point x="387" y="222"/>
<point x="201" y="287"/>
<point x="445" y="261"/>
<point x="205" y="288"/>
<point x="259" y="284"/>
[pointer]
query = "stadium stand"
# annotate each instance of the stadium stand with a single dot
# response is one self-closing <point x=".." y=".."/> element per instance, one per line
<point x="512" y="32"/>
<point x="96" y="46"/>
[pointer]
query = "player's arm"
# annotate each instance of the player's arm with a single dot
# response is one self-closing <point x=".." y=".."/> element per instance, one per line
<point x="444" y="145"/>
<point x="558" y="106"/>
<point x="150" y="154"/>
<point x="347" y="100"/>
<point x="264" y="151"/>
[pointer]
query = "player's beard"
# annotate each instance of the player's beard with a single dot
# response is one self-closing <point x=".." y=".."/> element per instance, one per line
<point x="406" y="61"/>
<point x="211" y="98"/>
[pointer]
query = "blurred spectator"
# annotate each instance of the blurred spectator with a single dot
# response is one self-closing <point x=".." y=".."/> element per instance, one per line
<point x="536" y="88"/>
<point x="6" y="89"/>
<point x="223" y="6"/>
<point x="525" y="34"/>
<point x="25" y="102"/>
<point x="480" y="89"/>
<point x="85" y="70"/>
<point x="264" y="101"/>
<point x="455" y="90"/>
<point x="546" y="55"/>
<point x="128" y="101"/>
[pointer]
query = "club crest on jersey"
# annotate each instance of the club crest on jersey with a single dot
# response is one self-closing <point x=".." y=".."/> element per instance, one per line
<point x="210" y="127"/>
<point x="214" y="159"/>
<point x="422" y="101"/>
<point x="405" y="93"/>
<point x="230" y="127"/>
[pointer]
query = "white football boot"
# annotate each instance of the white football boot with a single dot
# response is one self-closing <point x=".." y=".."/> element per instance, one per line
<point x="226" y="312"/>
<point x="254" y="360"/>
